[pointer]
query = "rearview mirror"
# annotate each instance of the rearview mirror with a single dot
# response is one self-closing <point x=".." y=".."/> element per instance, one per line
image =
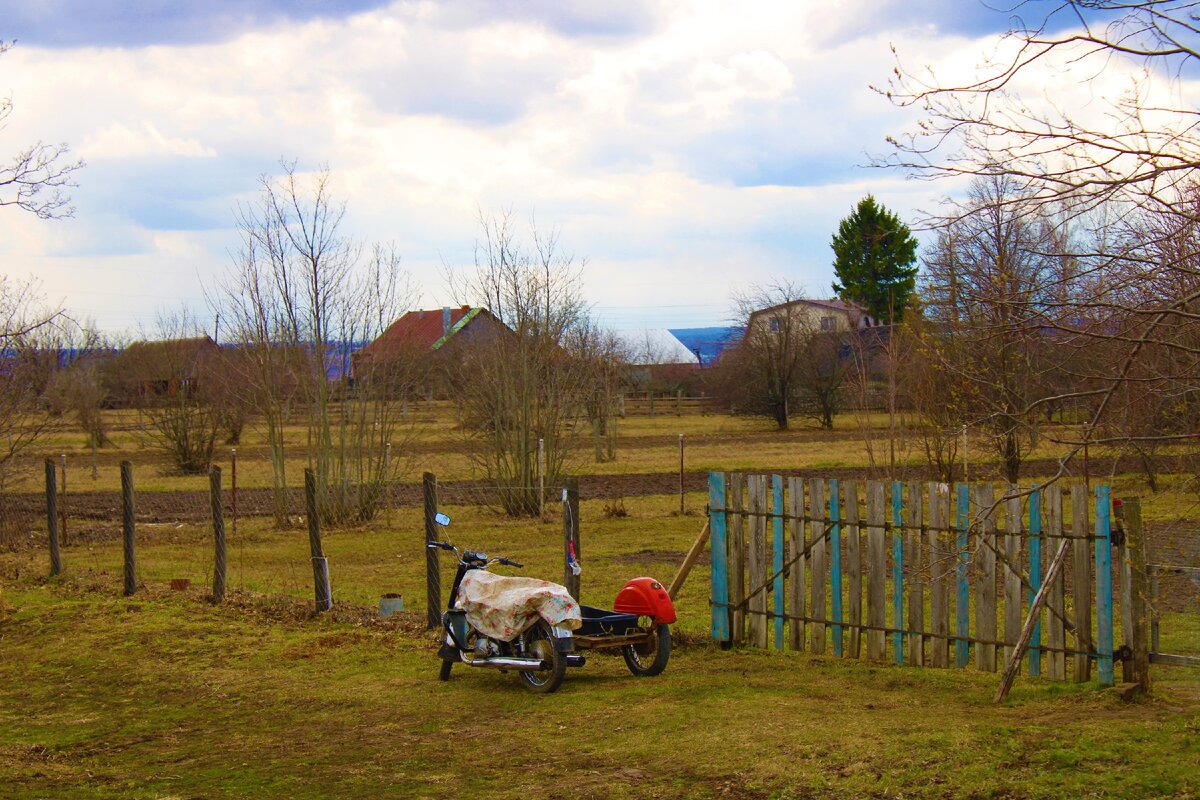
<point x="441" y="519"/>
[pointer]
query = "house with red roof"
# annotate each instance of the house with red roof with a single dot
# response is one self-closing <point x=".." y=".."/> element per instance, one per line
<point x="413" y="344"/>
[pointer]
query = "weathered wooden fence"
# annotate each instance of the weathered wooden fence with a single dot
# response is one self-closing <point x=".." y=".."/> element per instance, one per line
<point x="928" y="575"/>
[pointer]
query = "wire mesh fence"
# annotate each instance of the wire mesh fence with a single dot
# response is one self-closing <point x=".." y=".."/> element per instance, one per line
<point x="268" y="550"/>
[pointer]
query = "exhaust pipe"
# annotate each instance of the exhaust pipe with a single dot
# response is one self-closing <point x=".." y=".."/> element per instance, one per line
<point x="510" y="662"/>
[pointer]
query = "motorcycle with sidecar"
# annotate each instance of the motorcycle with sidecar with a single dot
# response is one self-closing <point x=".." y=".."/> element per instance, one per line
<point x="535" y="628"/>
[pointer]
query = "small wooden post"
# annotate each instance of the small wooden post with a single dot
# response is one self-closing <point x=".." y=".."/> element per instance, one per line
<point x="720" y="572"/>
<point x="916" y="582"/>
<point x="1056" y="636"/>
<point x="941" y="557"/>
<point x="816" y="557"/>
<point x="799" y="597"/>
<point x="387" y="483"/>
<point x="233" y="490"/>
<point x="127" y="527"/>
<point x="62" y="504"/>
<point x="776" y="551"/>
<point x="52" y="518"/>
<point x="1081" y="581"/>
<point x="650" y="396"/>
<point x="433" y="575"/>
<point x="853" y="540"/>
<point x="1013" y="529"/>
<point x="1035" y="579"/>
<point x="962" y="571"/>
<point x="541" y="477"/>
<point x="737" y="557"/>
<point x="1154" y="616"/>
<point x="218" y="518"/>
<point x="681" y="473"/>
<point x="1135" y="545"/>
<point x="571" y="536"/>
<point x="1125" y="594"/>
<point x="756" y="611"/>
<point x="679" y="402"/>
<point x="1104" y="593"/>
<point x="876" y="563"/>
<point x="985" y="587"/>
<point x="898" y="571"/>
<point x="835" y="566"/>
<point x="322" y="590"/>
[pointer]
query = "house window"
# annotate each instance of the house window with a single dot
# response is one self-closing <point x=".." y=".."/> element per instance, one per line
<point x="774" y="324"/>
<point x="828" y="323"/>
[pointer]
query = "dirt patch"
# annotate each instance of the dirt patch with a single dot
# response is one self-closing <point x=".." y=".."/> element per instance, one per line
<point x="650" y="557"/>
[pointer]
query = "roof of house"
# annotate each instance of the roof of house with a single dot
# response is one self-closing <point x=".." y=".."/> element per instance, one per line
<point x="654" y="346"/>
<point x="423" y="329"/>
<point x="707" y="343"/>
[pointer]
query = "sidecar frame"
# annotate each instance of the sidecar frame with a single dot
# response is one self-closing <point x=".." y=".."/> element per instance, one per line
<point x="638" y="599"/>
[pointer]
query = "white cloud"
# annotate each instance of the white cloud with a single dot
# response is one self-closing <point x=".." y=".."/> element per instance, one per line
<point x="685" y="147"/>
<point x="119" y="141"/>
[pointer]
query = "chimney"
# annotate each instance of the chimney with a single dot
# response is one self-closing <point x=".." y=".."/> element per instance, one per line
<point x="445" y="320"/>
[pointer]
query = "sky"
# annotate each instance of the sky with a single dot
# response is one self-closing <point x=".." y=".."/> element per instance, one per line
<point x="687" y="150"/>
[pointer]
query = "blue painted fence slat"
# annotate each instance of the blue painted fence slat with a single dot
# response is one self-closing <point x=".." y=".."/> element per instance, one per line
<point x="835" y="565"/>
<point x="1035" y="578"/>
<point x="962" y="619"/>
<point x="898" y="570"/>
<point x="1104" y="588"/>
<point x="720" y="571"/>
<point x="777" y="540"/>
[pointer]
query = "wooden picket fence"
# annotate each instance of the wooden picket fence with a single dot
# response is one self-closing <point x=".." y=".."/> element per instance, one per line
<point x="935" y="579"/>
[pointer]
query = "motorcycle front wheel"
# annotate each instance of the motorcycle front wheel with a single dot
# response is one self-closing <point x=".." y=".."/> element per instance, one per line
<point x="539" y="643"/>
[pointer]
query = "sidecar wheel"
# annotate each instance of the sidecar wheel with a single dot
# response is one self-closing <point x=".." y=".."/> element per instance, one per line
<point x="444" y="673"/>
<point x="649" y="659"/>
<point x="540" y="644"/>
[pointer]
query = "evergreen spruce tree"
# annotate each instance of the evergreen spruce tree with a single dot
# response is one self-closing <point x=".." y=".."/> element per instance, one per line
<point x="875" y="258"/>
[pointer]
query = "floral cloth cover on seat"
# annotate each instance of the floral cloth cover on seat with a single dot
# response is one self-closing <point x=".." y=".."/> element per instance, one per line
<point x="502" y="606"/>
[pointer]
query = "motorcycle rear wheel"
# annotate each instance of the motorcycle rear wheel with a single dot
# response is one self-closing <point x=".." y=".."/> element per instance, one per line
<point x="540" y="643"/>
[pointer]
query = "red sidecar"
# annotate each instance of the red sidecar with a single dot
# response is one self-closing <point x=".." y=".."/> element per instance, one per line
<point x="639" y="624"/>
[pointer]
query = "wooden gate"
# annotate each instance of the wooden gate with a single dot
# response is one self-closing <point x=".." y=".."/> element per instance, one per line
<point x="927" y="576"/>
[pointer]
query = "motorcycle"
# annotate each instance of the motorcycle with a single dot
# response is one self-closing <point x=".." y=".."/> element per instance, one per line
<point x="540" y="644"/>
<point x="538" y="649"/>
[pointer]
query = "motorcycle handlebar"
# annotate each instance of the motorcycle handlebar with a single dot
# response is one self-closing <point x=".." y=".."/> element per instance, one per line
<point x="442" y="545"/>
<point x="508" y="562"/>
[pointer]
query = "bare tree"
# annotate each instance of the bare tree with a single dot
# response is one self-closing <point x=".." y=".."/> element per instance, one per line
<point x="532" y="381"/>
<point x="170" y="374"/>
<point x="37" y="177"/>
<point x="80" y="384"/>
<point x="984" y="291"/>
<point x="785" y="365"/>
<point x="301" y="297"/>
<point x="608" y="374"/>
<point x="1109" y="170"/>
<point x="25" y="367"/>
